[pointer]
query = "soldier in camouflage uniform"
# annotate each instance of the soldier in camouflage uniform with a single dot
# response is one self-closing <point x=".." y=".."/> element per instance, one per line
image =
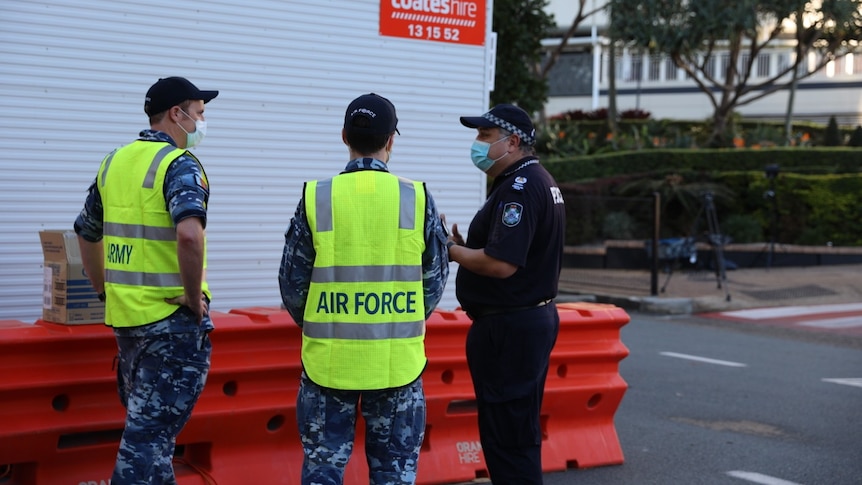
<point x="150" y="198"/>
<point x="344" y="380"/>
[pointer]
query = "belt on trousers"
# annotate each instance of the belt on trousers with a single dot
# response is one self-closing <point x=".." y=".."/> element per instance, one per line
<point x="483" y="311"/>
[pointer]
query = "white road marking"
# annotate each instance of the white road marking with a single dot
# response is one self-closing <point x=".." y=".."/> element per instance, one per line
<point x="792" y="311"/>
<point x="844" y="322"/>
<point x="759" y="478"/>
<point x="703" y="359"/>
<point x="849" y="381"/>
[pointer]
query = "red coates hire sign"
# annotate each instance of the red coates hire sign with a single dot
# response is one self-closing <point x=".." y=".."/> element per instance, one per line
<point x="455" y="21"/>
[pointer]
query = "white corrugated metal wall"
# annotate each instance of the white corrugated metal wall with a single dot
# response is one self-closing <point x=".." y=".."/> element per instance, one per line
<point x="72" y="81"/>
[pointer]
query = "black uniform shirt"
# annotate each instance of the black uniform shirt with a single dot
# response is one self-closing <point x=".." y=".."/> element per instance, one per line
<point x="522" y="222"/>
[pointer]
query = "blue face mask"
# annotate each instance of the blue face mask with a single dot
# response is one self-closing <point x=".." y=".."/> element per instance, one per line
<point x="479" y="154"/>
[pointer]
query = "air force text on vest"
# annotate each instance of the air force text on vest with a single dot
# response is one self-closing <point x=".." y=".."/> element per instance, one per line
<point x="367" y="302"/>
<point x="120" y="253"/>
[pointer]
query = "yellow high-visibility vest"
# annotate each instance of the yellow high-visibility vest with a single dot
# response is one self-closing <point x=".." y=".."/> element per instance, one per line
<point x="140" y="240"/>
<point x="364" y="321"/>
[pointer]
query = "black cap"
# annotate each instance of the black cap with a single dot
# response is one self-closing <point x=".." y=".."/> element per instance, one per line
<point x="371" y="114"/>
<point x="170" y="91"/>
<point x="508" y="117"/>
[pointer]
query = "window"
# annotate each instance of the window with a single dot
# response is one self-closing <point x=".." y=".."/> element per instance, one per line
<point x="763" y="65"/>
<point x="637" y="68"/>
<point x="654" y="68"/>
<point x="670" y="70"/>
<point x="724" y="62"/>
<point x="709" y="67"/>
<point x="572" y="75"/>
<point x="743" y="62"/>
<point x="783" y="61"/>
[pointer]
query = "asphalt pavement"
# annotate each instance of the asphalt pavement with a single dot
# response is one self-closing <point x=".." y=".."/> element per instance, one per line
<point x="703" y="291"/>
<point x="714" y="406"/>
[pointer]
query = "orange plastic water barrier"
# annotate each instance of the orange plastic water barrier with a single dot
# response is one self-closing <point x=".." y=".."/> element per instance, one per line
<point x="63" y="420"/>
<point x="584" y="388"/>
<point x="59" y="395"/>
<point x="58" y="400"/>
<point x="582" y="393"/>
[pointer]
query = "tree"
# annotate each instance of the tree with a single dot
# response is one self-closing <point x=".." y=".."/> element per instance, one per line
<point x="581" y="15"/>
<point x="832" y="136"/>
<point x="717" y="42"/>
<point x="856" y="138"/>
<point x="520" y="25"/>
<point x="542" y="71"/>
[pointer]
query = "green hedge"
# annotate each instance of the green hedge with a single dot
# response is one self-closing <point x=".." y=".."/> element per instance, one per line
<point x="591" y="137"/>
<point x="811" y="209"/>
<point x="656" y="161"/>
<point x="817" y="195"/>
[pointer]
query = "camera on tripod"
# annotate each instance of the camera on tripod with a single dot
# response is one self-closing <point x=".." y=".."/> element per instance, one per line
<point x="771" y="172"/>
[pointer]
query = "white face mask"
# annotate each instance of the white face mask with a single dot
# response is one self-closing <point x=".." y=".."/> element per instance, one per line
<point x="195" y="137"/>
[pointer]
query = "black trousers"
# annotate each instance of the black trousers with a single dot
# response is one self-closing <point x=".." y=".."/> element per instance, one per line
<point x="508" y="355"/>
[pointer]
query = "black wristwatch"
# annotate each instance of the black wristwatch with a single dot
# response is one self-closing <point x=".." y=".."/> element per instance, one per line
<point x="102" y="296"/>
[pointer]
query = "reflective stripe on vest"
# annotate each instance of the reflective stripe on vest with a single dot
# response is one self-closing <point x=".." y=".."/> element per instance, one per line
<point x="140" y="240"/>
<point x="406" y="213"/>
<point x="358" y="274"/>
<point x="364" y="321"/>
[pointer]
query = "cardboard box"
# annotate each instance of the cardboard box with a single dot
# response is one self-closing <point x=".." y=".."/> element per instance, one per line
<point x="67" y="296"/>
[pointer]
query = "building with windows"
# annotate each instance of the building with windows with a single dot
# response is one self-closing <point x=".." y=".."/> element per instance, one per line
<point x="653" y="83"/>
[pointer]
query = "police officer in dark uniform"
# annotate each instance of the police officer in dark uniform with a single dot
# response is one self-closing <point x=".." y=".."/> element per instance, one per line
<point x="507" y="280"/>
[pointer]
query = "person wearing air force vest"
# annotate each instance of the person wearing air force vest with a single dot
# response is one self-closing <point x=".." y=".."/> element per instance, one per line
<point x="143" y="246"/>
<point x="364" y="265"/>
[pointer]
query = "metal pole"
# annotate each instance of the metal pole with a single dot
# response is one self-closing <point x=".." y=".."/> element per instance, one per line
<point x="597" y="64"/>
<point x="773" y="223"/>
<point x="656" y="212"/>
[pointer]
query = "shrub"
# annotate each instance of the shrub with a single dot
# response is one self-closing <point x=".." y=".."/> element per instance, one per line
<point x="742" y="228"/>
<point x="634" y="114"/>
<point x="599" y="114"/>
<point x="856" y="137"/>
<point x="619" y="225"/>
<point x="832" y="137"/>
<point x="637" y="131"/>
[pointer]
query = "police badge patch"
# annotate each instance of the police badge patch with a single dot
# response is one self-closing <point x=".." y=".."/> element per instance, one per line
<point x="512" y="214"/>
<point x="519" y="183"/>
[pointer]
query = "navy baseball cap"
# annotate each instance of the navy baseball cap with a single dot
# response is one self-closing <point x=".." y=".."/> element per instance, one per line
<point x="371" y="114"/>
<point x="508" y="117"/>
<point x="170" y="91"/>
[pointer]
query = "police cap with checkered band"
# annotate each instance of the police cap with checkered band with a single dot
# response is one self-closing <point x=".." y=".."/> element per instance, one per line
<point x="508" y="117"/>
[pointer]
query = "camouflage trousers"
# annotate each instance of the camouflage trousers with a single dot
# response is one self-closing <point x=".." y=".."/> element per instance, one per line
<point x="160" y="377"/>
<point x="394" y="430"/>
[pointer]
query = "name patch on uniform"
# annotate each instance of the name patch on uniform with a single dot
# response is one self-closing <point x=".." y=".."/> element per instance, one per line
<point x="512" y="214"/>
